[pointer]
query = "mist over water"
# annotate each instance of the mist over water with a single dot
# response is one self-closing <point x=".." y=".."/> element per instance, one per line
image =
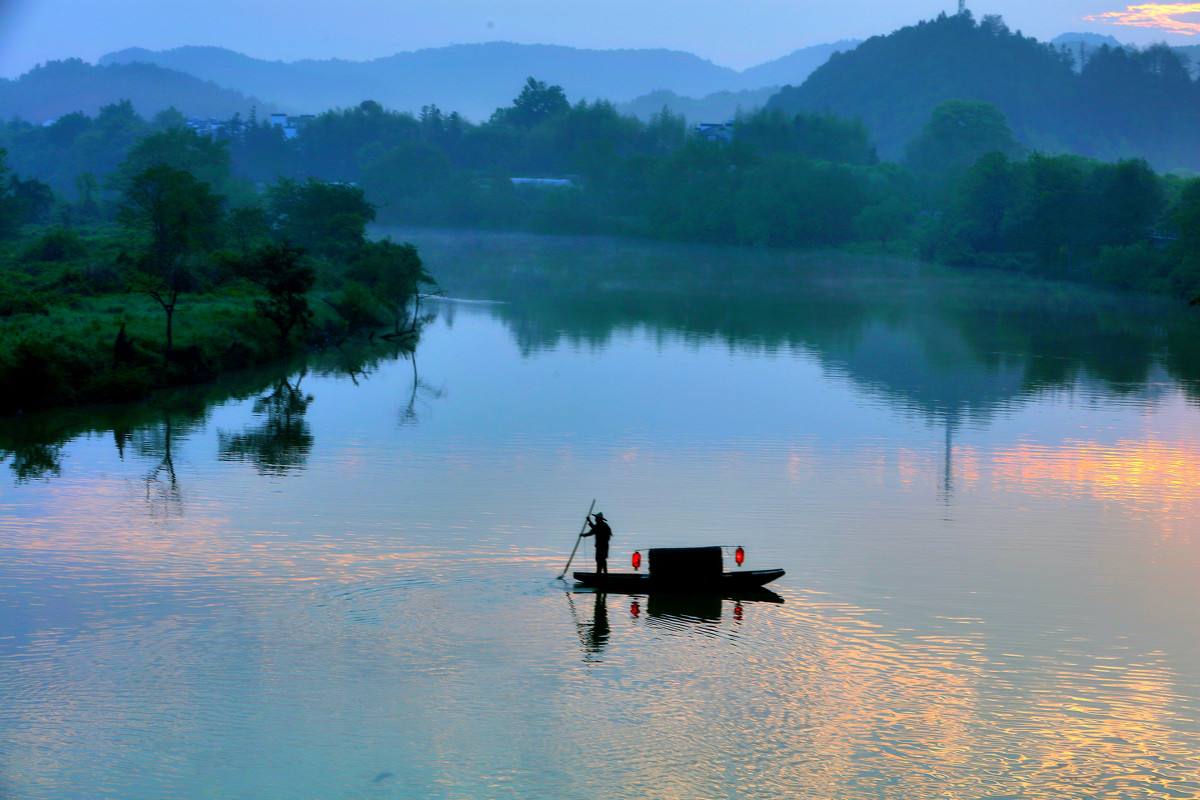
<point x="336" y="579"/>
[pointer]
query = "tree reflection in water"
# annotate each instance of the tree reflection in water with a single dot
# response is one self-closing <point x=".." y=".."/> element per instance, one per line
<point x="408" y="414"/>
<point x="282" y="441"/>
<point x="157" y="442"/>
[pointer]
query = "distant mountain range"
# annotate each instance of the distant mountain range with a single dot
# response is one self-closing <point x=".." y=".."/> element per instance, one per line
<point x="60" y="87"/>
<point x="475" y="79"/>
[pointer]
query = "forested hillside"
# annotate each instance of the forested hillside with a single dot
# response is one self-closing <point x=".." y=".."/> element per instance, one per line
<point x="1122" y="104"/>
<point x="63" y="87"/>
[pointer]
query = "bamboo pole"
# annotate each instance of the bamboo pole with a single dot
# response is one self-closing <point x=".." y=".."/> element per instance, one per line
<point x="578" y="539"/>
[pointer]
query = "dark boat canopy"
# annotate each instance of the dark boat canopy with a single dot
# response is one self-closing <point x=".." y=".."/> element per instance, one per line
<point x="690" y="562"/>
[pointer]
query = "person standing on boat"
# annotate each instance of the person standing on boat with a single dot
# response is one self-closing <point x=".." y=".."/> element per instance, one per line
<point x="603" y="533"/>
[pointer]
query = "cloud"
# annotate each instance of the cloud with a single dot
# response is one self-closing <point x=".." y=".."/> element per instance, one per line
<point x="1157" y="16"/>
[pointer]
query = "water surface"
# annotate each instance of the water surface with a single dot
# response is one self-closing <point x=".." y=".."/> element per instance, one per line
<point x="336" y="579"/>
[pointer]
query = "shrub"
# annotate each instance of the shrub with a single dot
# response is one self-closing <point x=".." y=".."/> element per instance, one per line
<point x="56" y="244"/>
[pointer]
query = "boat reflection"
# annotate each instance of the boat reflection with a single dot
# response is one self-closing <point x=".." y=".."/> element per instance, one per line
<point x="674" y="611"/>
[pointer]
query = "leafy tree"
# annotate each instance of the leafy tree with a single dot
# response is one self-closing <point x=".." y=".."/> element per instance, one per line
<point x="409" y="170"/>
<point x="394" y="273"/>
<point x="1127" y="200"/>
<point x="282" y="271"/>
<point x="1050" y="214"/>
<point x="984" y="202"/>
<point x="328" y="219"/>
<point x="884" y="221"/>
<point x="247" y="227"/>
<point x="176" y="216"/>
<point x="21" y="201"/>
<point x="356" y="306"/>
<point x="818" y="136"/>
<point x="182" y="149"/>
<point x="958" y="133"/>
<point x="33" y="199"/>
<point x="10" y="213"/>
<point x="537" y="103"/>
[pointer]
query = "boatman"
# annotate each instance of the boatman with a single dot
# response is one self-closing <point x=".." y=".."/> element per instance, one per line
<point x="603" y="534"/>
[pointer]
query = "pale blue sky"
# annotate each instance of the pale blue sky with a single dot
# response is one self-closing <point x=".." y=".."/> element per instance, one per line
<point x="736" y="33"/>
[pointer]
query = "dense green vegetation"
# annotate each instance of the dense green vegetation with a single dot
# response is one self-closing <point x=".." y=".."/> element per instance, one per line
<point x="1121" y="104"/>
<point x="168" y="283"/>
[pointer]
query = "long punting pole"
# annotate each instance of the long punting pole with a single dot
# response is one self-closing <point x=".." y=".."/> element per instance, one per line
<point x="578" y="539"/>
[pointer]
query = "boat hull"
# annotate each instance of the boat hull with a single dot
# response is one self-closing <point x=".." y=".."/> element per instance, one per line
<point x="726" y="583"/>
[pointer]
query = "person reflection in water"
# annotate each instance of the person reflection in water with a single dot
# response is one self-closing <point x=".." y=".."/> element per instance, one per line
<point x="597" y="635"/>
<point x="603" y="533"/>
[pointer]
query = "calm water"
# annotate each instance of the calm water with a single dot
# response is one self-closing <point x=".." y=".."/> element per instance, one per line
<point x="338" y="580"/>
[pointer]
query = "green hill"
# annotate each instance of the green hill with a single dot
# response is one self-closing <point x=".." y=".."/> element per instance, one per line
<point x="61" y="87"/>
<point x="1124" y="103"/>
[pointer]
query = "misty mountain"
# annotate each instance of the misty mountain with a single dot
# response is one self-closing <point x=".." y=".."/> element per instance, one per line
<point x="759" y="84"/>
<point x="1123" y="103"/>
<point x="61" y="87"/>
<point x="794" y="68"/>
<point x="716" y="107"/>
<point x="478" y="78"/>
<point x="1090" y="40"/>
<point x="472" y="79"/>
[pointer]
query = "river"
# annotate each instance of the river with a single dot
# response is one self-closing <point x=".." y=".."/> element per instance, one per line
<point x="335" y="579"/>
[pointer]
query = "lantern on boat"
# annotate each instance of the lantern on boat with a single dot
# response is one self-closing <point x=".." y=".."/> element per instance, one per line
<point x="637" y="559"/>
<point x="739" y="556"/>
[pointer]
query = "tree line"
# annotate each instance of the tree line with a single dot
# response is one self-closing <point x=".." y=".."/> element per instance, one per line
<point x="260" y="275"/>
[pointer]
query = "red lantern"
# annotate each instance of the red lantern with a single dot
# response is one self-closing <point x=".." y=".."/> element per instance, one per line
<point x="637" y="559"/>
<point x="739" y="556"/>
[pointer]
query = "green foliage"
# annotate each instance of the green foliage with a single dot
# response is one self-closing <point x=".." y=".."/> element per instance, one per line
<point x="328" y="219"/>
<point x="394" y="273"/>
<point x="789" y="201"/>
<point x="817" y="136"/>
<point x="247" y="227"/>
<point x="182" y="149"/>
<point x="1059" y="215"/>
<point x="1186" y="219"/>
<point x="357" y="307"/>
<point x="55" y="244"/>
<point x="286" y="277"/>
<point x="536" y="104"/>
<point x="21" y="201"/>
<point x="175" y="215"/>
<point x="885" y="221"/>
<point x="957" y="134"/>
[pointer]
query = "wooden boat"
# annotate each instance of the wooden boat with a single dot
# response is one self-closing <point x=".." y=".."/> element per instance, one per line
<point x="683" y="570"/>
<point x="729" y="583"/>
